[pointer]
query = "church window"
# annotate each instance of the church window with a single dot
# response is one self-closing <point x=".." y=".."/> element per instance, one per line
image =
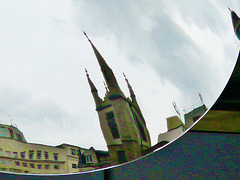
<point x="140" y="127"/>
<point x="121" y="156"/>
<point x="112" y="125"/>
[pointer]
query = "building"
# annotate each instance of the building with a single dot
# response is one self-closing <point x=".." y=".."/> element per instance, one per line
<point x="121" y="119"/>
<point x="175" y="129"/>
<point x="17" y="155"/>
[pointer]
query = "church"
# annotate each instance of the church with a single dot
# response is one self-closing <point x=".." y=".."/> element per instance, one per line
<point x="121" y="120"/>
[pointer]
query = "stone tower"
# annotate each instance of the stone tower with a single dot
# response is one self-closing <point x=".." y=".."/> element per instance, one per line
<point x="121" y="119"/>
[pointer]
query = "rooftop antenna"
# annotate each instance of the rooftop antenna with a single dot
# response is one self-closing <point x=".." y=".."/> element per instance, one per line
<point x="176" y="108"/>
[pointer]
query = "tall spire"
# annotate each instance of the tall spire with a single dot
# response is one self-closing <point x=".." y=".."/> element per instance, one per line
<point x="107" y="71"/>
<point x="133" y="97"/>
<point x="97" y="99"/>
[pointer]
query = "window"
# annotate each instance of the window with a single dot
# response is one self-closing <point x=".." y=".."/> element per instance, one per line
<point x="140" y="127"/>
<point x="32" y="165"/>
<point x="8" y="153"/>
<point x="15" y="154"/>
<point x="90" y="158"/>
<point x="56" y="166"/>
<point x="87" y="159"/>
<point x="31" y="153"/>
<point x="39" y="166"/>
<point x="47" y="166"/>
<point x="46" y="155"/>
<point x="19" y="137"/>
<point x="121" y="156"/>
<point x="55" y="156"/>
<point x="17" y="163"/>
<point x="24" y="164"/>
<point x="73" y="152"/>
<point x="3" y="162"/>
<point x="112" y="125"/>
<point x="78" y="152"/>
<point x="39" y="154"/>
<point x="1" y="151"/>
<point x="22" y="154"/>
<point x="74" y="166"/>
<point x="11" y="133"/>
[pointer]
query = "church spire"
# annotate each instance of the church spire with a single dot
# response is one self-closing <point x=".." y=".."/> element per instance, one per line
<point x="107" y="72"/>
<point x="133" y="97"/>
<point x="97" y="99"/>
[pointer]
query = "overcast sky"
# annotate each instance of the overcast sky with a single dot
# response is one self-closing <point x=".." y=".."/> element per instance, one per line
<point x="169" y="50"/>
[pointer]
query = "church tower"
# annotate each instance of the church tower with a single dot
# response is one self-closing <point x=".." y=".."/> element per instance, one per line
<point x="121" y="120"/>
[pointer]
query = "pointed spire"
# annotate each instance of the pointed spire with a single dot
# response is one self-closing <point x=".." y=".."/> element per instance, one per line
<point x="97" y="99"/>
<point x="105" y="87"/>
<point x="133" y="97"/>
<point x="107" y="71"/>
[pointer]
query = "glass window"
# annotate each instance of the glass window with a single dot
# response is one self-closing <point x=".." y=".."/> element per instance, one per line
<point x="112" y="125"/>
<point x="11" y="133"/>
<point x="55" y="156"/>
<point x="17" y="163"/>
<point x="74" y="166"/>
<point x="31" y="153"/>
<point x="24" y="164"/>
<point x="46" y="155"/>
<point x="39" y="166"/>
<point x="78" y="152"/>
<point x="56" y="166"/>
<point x="15" y="154"/>
<point x="39" y="154"/>
<point x="22" y="154"/>
<point x="73" y="152"/>
<point x="32" y="165"/>
<point x="47" y="166"/>
<point x="90" y="158"/>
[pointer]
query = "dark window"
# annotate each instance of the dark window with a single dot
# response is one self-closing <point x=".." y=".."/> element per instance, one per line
<point x="46" y="155"/>
<point x="17" y="163"/>
<point x="112" y="125"/>
<point x="39" y="154"/>
<point x="73" y="152"/>
<point x="56" y="166"/>
<point x="31" y="153"/>
<point x="24" y="164"/>
<point x="22" y="154"/>
<point x="15" y="154"/>
<point x="19" y="137"/>
<point x="11" y="133"/>
<point x="32" y="165"/>
<point x="39" y="166"/>
<point x="121" y="156"/>
<point x="74" y="166"/>
<point x="47" y="166"/>
<point x="78" y="153"/>
<point x="55" y="156"/>
<point x="90" y="158"/>
<point x="140" y="127"/>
